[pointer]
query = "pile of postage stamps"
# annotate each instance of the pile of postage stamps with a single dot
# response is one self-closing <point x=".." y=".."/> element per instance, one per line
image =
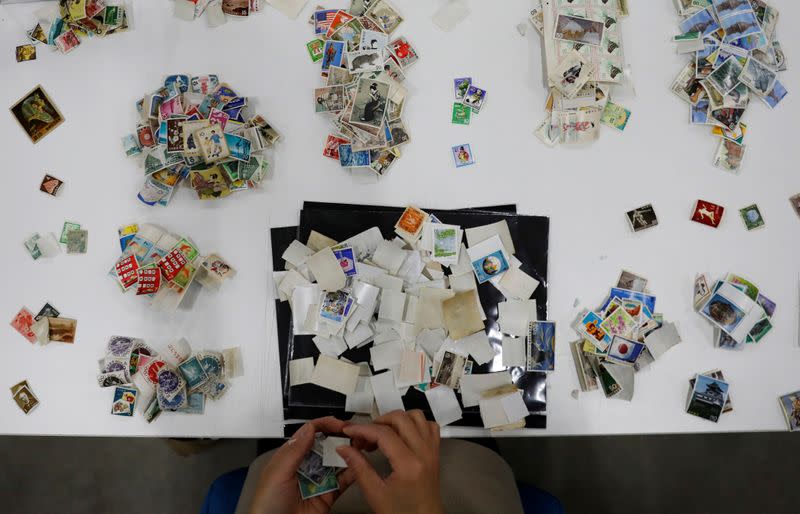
<point x="583" y="63"/>
<point x="426" y="328"/>
<point x="178" y="380"/>
<point x="363" y="66"/>
<point x="161" y="266"/>
<point x="620" y="337"/>
<point x="734" y="56"/>
<point x="739" y="314"/>
<point x="63" y="26"/>
<point x="317" y="472"/>
<point x="199" y="128"/>
<point x="216" y="12"/>
<point x="46" y="327"/>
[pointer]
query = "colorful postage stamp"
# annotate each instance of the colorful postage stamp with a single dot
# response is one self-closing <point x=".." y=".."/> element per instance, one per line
<point x="752" y="217"/>
<point x="462" y="155"/>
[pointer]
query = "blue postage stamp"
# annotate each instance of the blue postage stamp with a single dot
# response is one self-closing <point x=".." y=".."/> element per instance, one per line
<point x="347" y="259"/>
<point x="181" y="82"/>
<point x="490" y="266"/>
<point x="460" y="87"/>
<point x="124" y="401"/>
<point x="193" y="373"/>
<point x="332" y="54"/>
<point x="239" y="147"/>
<point x="462" y="156"/>
<point x="541" y="346"/>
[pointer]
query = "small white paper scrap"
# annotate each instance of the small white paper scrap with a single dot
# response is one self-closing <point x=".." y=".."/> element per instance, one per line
<point x="393" y="304"/>
<point x="389" y="257"/>
<point x="387" y="397"/>
<point x="517" y="284"/>
<point x="360" y="400"/>
<point x="514" y="352"/>
<point x="327" y="270"/>
<point x="451" y="14"/>
<point x="473" y="386"/>
<point x="412" y="369"/>
<point x="297" y="254"/>
<point x="478" y="346"/>
<point x="335" y="375"/>
<point x="329" y="455"/>
<point x="444" y="405"/>
<point x="184" y="10"/>
<point x="661" y="340"/>
<point x="300" y="371"/>
<point x="476" y="235"/>
<point x="515" y="407"/>
<point x="290" y="8"/>
<point x="387" y="355"/>
<point x="515" y="316"/>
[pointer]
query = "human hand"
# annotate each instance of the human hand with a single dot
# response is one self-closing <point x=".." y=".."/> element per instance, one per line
<point x="411" y="444"/>
<point x="278" y="491"/>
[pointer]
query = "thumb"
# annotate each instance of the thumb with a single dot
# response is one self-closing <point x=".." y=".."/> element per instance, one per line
<point x="289" y="456"/>
<point x="371" y="483"/>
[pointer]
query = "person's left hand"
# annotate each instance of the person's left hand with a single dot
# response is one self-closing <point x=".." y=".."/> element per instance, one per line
<point x="278" y="491"/>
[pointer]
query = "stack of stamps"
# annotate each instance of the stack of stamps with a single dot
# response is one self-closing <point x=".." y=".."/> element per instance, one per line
<point x="708" y="396"/>
<point x="363" y="64"/>
<point x="23" y="396"/>
<point x="45" y="327"/>
<point x="200" y="129"/>
<point x="583" y="62"/>
<point x="215" y="11"/>
<point x="161" y="266"/>
<point x="415" y="300"/>
<point x="317" y="473"/>
<point x="66" y="25"/>
<point x="735" y="56"/>
<point x="735" y="307"/>
<point x="619" y="338"/>
<point x="469" y="100"/>
<point x="790" y="404"/>
<point x="177" y="380"/>
<point x="74" y="239"/>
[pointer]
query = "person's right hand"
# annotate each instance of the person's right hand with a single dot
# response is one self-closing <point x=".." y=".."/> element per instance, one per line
<point x="411" y="444"/>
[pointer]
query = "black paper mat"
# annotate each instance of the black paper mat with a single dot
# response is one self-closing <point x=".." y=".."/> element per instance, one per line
<point x="341" y="221"/>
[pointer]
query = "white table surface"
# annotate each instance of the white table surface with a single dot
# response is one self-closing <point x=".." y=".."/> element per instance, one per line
<point x="658" y="159"/>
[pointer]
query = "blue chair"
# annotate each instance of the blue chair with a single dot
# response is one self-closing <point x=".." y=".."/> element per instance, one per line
<point x="223" y="495"/>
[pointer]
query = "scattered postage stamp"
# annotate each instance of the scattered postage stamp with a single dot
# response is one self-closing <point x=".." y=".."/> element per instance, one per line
<point x="752" y="218"/>
<point x="51" y="185"/>
<point x="37" y="114"/>
<point x="462" y="155"/>
<point x="708" y="213"/>
<point x="642" y="218"/>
